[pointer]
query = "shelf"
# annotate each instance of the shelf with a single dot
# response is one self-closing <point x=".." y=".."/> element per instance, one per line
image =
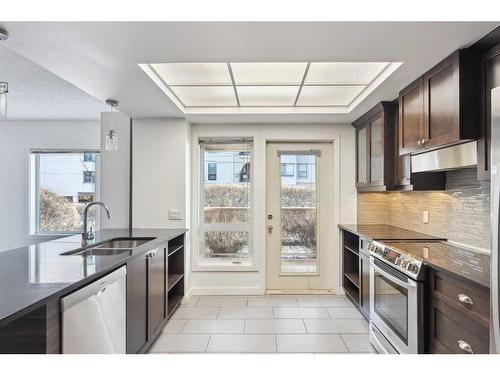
<point x="174" y="249"/>
<point x="353" y="278"/>
<point x="174" y="279"/>
<point x="173" y="302"/>
<point x="351" y="250"/>
<point x="351" y="289"/>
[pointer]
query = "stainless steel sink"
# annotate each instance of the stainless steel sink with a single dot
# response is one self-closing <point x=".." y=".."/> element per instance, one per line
<point x="111" y="247"/>
<point x="122" y="243"/>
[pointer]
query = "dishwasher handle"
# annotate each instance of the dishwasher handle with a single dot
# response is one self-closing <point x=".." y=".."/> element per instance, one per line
<point x="95" y="288"/>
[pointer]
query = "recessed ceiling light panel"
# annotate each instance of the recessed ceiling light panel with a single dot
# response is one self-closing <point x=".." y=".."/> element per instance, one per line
<point x="328" y="95"/>
<point x="271" y="73"/>
<point x="338" y="73"/>
<point x="195" y="74"/>
<point x="205" y="96"/>
<point x="267" y="96"/>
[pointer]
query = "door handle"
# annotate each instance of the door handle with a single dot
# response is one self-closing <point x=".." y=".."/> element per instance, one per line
<point x="465" y="346"/>
<point x="465" y="299"/>
<point x="270" y="228"/>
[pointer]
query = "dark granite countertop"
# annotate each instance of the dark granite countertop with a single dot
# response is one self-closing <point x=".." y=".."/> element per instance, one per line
<point x="31" y="275"/>
<point x="380" y="232"/>
<point x="470" y="264"/>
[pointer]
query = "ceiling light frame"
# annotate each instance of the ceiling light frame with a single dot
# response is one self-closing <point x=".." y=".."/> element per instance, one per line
<point x="367" y="88"/>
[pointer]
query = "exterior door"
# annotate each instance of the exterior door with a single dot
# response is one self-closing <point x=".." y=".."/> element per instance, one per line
<point x="299" y="210"/>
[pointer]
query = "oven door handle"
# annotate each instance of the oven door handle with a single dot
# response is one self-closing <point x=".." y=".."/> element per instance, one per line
<point x="409" y="284"/>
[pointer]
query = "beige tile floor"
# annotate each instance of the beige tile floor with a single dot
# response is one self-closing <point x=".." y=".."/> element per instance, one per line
<point x="265" y="324"/>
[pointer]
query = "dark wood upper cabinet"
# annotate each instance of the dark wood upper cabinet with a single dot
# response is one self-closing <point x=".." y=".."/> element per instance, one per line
<point x="489" y="68"/>
<point x="375" y="149"/>
<point x="411" y="117"/>
<point x="440" y="108"/>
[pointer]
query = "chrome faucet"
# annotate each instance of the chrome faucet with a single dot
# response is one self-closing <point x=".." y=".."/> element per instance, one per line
<point x="89" y="235"/>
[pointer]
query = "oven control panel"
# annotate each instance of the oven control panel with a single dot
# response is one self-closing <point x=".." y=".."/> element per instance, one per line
<point x="404" y="262"/>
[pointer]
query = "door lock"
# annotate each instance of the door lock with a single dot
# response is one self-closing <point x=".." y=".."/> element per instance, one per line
<point x="269" y="217"/>
<point x="270" y="228"/>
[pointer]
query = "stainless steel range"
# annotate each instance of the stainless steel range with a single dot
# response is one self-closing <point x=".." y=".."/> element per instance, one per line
<point x="396" y="292"/>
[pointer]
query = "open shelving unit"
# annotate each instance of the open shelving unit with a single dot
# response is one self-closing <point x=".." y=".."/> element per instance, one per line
<point x="175" y="274"/>
<point x="350" y="269"/>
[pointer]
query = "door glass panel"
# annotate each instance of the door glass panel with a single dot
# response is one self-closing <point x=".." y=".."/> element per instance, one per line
<point x="376" y="151"/>
<point x="299" y="253"/>
<point x="361" y="147"/>
<point x="226" y="244"/>
<point x="391" y="305"/>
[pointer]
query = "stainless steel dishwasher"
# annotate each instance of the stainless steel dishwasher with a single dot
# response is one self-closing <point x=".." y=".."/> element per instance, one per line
<point x="94" y="317"/>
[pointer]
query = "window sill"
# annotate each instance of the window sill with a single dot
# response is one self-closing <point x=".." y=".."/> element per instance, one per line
<point x="224" y="267"/>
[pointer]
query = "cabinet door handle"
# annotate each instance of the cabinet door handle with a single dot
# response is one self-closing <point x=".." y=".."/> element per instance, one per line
<point x="464" y="298"/>
<point x="419" y="142"/>
<point x="465" y="346"/>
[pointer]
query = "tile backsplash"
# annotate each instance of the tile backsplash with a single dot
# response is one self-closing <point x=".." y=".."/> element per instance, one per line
<point x="460" y="213"/>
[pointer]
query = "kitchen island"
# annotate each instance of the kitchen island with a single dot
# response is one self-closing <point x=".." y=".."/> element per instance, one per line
<point x="34" y="278"/>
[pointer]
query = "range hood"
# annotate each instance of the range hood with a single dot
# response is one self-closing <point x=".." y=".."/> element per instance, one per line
<point x="445" y="159"/>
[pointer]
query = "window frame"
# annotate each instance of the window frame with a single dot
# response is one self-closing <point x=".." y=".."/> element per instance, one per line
<point x="200" y="262"/>
<point x="34" y="190"/>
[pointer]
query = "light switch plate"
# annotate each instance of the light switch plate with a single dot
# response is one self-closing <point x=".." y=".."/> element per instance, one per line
<point x="174" y="214"/>
<point x="425" y="217"/>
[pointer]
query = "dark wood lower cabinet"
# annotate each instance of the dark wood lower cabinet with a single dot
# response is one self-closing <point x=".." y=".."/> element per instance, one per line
<point x="137" y="304"/>
<point x="155" y="288"/>
<point x="37" y="332"/>
<point x="457" y="315"/>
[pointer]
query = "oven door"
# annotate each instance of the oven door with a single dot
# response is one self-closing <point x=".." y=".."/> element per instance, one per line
<point x="394" y="306"/>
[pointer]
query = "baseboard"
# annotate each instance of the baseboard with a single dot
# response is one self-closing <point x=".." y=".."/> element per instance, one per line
<point x="225" y="291"/>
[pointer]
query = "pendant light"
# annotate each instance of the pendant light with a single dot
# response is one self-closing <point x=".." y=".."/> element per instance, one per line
<point x="4" y="90"/>
<point x="4" y="86"/>
<point x="112" y="133"/>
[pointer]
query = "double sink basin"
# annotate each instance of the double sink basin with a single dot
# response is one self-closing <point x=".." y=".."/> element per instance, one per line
<point x="112" y="247"/>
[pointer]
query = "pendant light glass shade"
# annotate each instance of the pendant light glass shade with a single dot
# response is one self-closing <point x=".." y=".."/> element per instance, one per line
<point x="112" y="133"/>
<point x="4" y="90"/>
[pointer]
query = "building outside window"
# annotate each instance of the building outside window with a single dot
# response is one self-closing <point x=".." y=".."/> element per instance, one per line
<point x="88" y="177"/>
<point x="302" y="170"/>
<point x="212" y="171"/>
<point x="225" y="209"/>
<point x="287" y="170"/>
<point x="62" y="182"/>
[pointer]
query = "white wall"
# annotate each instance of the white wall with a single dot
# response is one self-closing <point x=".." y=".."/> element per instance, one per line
<point x="16" y="140"/>
<point x="253" y="282"/>
<point x="159" y="171"/>
<point x="163" y="160"/>
<point x="115" y="172"/>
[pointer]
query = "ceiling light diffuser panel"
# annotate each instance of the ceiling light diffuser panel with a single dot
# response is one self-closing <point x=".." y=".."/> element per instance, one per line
<point x="337" y="73"/>
<point x="195" y="74"/>
<point x="267" y="96"/>
<point x="205" y="96"/>
<point x="328" y="95"/>
<point x="273" y="73"/>
<point x="284" y="87"/>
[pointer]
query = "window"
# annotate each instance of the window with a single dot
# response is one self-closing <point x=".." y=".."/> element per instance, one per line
<point x="287" y="170"/>
<point x="62" y="182"/>
<point x="225" y="213"/>
<point x="302" y="169"/>
<point x="88" y="177"/>
<point x="212" y="171"/>
<point x="89" y="156"/>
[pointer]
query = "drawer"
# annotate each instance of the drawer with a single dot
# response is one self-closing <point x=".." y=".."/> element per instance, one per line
<point x="464" y="296"/>
<point x="449" y="329"/>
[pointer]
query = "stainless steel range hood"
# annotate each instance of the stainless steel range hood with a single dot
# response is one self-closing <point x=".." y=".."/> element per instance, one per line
<point x="445" y="159"/>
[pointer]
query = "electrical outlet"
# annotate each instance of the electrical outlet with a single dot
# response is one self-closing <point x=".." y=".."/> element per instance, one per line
<point x="425" y="217"/>
<point x="174" y="214"/>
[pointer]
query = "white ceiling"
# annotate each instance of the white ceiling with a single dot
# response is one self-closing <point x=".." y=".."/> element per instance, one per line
<point x="36" y="93"/>
<point x="101" y="58"/>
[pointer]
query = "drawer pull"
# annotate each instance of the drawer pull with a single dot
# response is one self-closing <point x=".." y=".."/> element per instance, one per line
<point x="465" y="346"/>
<point x="465" y="299"/>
